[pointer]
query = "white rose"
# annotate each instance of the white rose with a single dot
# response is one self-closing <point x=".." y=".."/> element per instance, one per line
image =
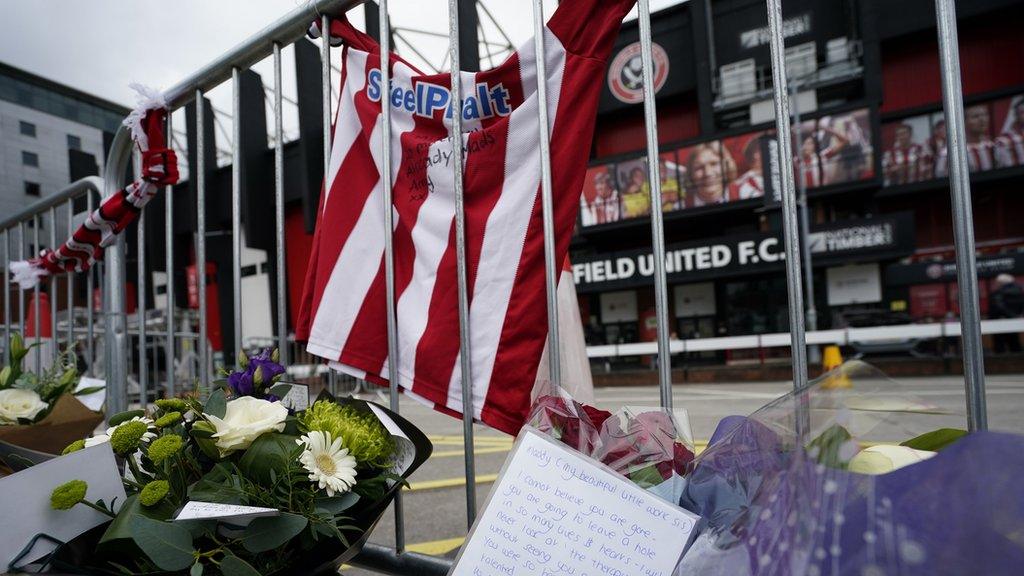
<point x="885" y="458"/>
<point x="245" y="419"/>
<point x="16" y="403"/>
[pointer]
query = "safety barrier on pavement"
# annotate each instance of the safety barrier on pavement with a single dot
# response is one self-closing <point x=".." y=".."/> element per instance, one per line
<point x="168" y="332"/>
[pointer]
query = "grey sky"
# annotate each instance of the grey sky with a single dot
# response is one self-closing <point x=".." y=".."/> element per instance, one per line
<point x="99" y="46"/>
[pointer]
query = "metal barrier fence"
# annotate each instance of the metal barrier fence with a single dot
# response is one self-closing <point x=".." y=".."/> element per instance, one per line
<point x="116" y="335"/>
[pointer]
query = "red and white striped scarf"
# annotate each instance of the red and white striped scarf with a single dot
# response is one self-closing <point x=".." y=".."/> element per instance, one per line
<point x="100" y="229"/>
<point x="343" y="310"/>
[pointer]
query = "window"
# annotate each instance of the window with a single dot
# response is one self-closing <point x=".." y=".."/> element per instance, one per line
<point x="29" y="158"/>
<point x="32" y="189"/>
<point x="74" y="142"/>
<point x="27" y="128"/>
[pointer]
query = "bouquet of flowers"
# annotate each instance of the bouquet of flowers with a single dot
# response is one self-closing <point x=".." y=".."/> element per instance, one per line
<point x="842" y="481"/>
<point x="317" y="481"/>
<point x="646" y="445"/>
<point x="39" y="411"/>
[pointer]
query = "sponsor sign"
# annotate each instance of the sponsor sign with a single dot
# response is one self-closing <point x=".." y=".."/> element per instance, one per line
<point x="890" y="236"/>
<point x="790" y="27"/>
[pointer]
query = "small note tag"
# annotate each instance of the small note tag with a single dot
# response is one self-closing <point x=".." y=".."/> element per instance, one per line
<point x="95" y="400"/>
<point x="293" y="396"/>
<point x="197" y="510"/>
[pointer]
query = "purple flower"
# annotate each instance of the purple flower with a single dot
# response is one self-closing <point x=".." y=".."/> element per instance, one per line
<point x="270" y="369"/>
<point x="241" y="382"/>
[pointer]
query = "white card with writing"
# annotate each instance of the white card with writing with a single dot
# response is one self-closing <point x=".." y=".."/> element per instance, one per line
<point x="554" y="511"/>
<point x="95" y="400"/>
<point x="199" y="510"/>
<point x="25" y="501"/>
<point x="297" y="397"/>
<point x="405" y="451"/>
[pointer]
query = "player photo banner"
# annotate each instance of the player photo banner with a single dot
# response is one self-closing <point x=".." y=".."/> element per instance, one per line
<point x="100" y="229"/>
<point x="343" y="309"/>
<point x="914" y="148"/>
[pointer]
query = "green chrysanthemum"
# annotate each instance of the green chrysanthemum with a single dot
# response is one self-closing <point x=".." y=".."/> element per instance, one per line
<point x="154" y="492"/>
<point x="164" y="447"/>
<point x="168" y="420"/>
<point x="361" y="432"/>
<point x="172" y="404"/>
<point x="127" y="437"/>
<point x="68" y="494"/>
<point x="74" y="447"/>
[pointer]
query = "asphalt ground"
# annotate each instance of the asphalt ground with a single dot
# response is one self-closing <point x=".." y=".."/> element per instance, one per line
<point x="435" y="506"/>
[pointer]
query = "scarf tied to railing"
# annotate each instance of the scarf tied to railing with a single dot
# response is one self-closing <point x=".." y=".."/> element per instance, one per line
<point x="101" y="227"/>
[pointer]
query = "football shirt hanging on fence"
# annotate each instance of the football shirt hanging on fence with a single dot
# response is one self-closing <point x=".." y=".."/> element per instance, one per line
<point x="343" y="312"/>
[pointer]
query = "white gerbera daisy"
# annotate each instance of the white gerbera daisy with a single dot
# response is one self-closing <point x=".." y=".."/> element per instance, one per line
<point x="328" y="463"/>
<point x="149" y="436"/>
<point x="96" y="440"/>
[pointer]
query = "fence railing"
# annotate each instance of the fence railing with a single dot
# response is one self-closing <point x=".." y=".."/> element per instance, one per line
<point x="176" y="331"/>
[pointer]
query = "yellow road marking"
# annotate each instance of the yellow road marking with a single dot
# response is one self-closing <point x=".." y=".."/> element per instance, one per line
<point x="476" y="450"/>
<point x="437" y="547"/>
<point x="449" y="482"/>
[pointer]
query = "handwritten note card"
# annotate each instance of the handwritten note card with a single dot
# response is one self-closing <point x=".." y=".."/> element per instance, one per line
<point x="197" y="510"/>
<point x="556" y="512"/>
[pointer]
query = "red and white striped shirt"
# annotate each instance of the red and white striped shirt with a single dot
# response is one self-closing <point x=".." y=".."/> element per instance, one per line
<point x="1010" y="149"/>
<point x="343" y="311"/>
<point x="981" y="156"/>
<point x="749" y="185"/>
<point x="904" y="165"/>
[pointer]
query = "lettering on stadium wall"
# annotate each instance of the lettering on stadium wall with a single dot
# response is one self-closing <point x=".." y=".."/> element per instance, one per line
<point x="890" y="236"/>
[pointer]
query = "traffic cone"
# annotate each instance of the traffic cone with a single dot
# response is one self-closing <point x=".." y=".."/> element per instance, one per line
<point x="834" y="359"/>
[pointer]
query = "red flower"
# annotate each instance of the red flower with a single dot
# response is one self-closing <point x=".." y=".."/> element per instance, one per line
<point x="596" y="415"/>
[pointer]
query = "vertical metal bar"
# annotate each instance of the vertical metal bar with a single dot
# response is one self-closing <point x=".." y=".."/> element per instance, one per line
<point x="389" y="225"/>
<point x="169" y="266"/>
<point x="7" y="296"/>
<point x="90" y="285"/>
<point x="551" y="267"/>
<point x="791" y="231"/>
<point x="465" y="351"/>
<point x="140" y="313"/>
<point x="236" y="204"/>
<point x="21" y="293"/>
<point x="805" y="225"/>
<point x="69" y="279"/>
<point x="200" y="176"/>
<point x="54" y="341"/>
<point x="963" y="225"/>
<point x="282" y="317"/>
<point x="35" y="297"/>
<point x="657" y="220"/>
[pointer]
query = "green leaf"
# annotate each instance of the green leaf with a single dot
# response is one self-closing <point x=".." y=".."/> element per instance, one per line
<point x="197" y="570"/>
<point x="203" y="432"/>
<point x="89" y="390"/>
<point x="235" y="566"/>
<point x="216" y="486"/>
<point x="646" y="477"/>
<point x="121" y="527"/>
<point x="829" y="445"/>
<point x="281" y="390"/>
<point x="169" y="546"/>
<point x="935" y="440"/>
<point x="216" y="404"/>
<point x="124" y="416"/>
<point x="271" y="451"/>
<point x="270" y="532"/>
<point x="338" y="504"/>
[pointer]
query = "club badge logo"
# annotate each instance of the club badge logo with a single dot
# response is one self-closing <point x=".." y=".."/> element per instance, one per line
<point x="625" y="74"/>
